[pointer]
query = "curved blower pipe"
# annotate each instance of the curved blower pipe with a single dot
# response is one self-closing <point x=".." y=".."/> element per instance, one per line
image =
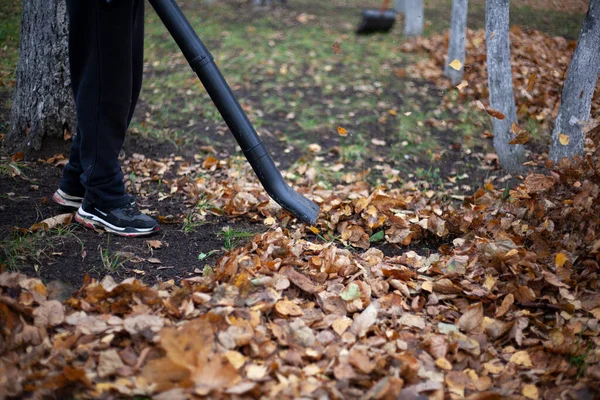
<point x="219" y="91"/>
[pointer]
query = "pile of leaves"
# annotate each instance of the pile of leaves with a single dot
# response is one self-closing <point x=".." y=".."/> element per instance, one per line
<point x="539" y="66"/>
<point x="505" y="304"/>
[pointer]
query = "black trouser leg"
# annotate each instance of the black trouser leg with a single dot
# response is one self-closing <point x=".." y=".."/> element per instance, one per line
<point x="106" y="60"/>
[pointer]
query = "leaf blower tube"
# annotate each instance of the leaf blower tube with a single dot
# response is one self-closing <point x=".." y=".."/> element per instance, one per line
<point x="219" y="91"/>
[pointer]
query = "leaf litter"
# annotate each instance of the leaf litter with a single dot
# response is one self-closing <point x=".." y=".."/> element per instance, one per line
<point x="507" y="305"/>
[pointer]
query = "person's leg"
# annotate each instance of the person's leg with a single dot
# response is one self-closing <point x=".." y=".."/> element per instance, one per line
<point x="80" y="19"/>
<point x="106" y="45"/>
<point x="101" y="47"/>
<point x="138" y="55"/>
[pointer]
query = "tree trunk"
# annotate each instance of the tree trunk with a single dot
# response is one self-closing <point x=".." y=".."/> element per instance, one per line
<point x="576" y="100"/>
<point x="42" y="101"/>
<point x="500" y="84"/>
<point x="413" y="21"/>
<point x="400" y="6"/>
<point x="456" y="46"/>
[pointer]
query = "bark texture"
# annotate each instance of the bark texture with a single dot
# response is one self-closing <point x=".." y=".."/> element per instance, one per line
<point x="500" y="84"/>
<point x="42" y="101"/>
<point x="578" y="90"/>
<point x="458" y="35"/>
<point x="413" y="21"/>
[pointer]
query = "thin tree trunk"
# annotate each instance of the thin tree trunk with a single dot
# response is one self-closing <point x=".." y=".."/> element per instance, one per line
<point x="456" y="46"/>
<point x="500" y="84"/>
<point x="42" y="102"/>
<point x="400" y="6"/>
<point x="413" y="21"/>
<point x="578" y="90"/>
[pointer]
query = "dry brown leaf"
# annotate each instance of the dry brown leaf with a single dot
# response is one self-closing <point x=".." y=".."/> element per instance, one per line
<point x="507" y="302"/>
<point x="287" y="308"/>
<point x="471" y="320"/>
<point x="536" y="183"/>
<point x="49" y="313"/>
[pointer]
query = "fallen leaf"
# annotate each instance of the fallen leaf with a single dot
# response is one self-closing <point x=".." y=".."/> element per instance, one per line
<point x="521" y="358"/>
<point x="536" y="183"/>
<point x="494" y="113"/>
<point x="155" y="244"/>
<point x="342" y="131"/>
<point x="462" y="85"/>
<point x="531" y="81"/>
<point x="471" y="320"/>
<point x="508" y="301"/>
<point x="363" y="322"/>
<point x="287" y="308"/>
<point x="337" y="49"/>
<point x="564" y="139"/>
<point x="530" y="391"/>
<point x="443" y="363"/>
<point x="109" y="363"/>
<point x="560" y="260"/>
<point x="455" y="64"/>
<point x="49" y="313"/>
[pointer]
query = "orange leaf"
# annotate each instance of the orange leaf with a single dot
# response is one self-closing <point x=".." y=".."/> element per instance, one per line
<point x="494" y="113"/>
<point x="531" y="82"/>
<point x="342" y="131"/>
<point x="337" y="49"/>
<point x="19" y="156"/>
<point x="560" y="260"/>
<point x="313" y="230"/>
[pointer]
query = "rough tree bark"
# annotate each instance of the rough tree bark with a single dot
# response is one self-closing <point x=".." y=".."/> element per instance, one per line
<point x="413" y="20"/>
<point x="42" y="101"/>
<point x="458" y="35"/>
<point x="500" y="84"/>
<point x="578" y="89"/>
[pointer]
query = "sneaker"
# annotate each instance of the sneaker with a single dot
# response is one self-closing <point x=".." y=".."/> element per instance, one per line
<point x="124" y="221"/>
<point x="67" y="200"/>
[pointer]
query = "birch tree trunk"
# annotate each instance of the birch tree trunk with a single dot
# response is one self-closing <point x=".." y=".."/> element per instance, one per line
<point x="413" y="20"/>
<point x="456" y="46"/>
<point x="500" y="84"/>
<point x="42" y="101"/>
<point x="576" y="100"/>
<point x="400" y="6"/>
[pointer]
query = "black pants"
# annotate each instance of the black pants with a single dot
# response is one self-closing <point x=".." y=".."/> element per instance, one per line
<point x="106" y="60"/>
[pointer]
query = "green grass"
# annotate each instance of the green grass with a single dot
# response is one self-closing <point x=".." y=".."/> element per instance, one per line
<point x="17" y="251"/>
<point x="232" y="237"/>
<point x="9" y="37"/>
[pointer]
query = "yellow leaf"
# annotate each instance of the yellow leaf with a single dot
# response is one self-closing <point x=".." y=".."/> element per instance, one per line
<point x="521" y="358"/>
<point x="560" y="260"/>
<point x="564" y="139"/>
<point x="530" y="391"/>
<point x="443" y="364"/>
<point x="269" y="221"/>
<point x="313" y="230"/>
<point x="456" y="64"/>
<point x="236" y="358"/>
<point x="489" y="283"/>
<point x="342" y="131"/>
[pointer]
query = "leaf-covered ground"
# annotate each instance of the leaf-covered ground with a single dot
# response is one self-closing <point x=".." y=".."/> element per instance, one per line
<point x="428" y="274"/>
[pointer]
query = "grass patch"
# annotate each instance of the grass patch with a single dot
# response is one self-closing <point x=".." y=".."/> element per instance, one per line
<point x="233" y="237"/>
<point x="17" y="251"/>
